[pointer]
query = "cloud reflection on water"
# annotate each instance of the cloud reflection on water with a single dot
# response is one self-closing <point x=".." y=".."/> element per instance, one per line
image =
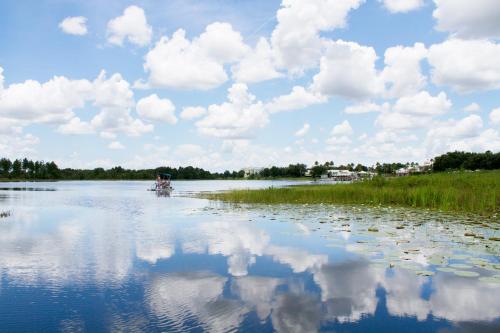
<point x="101" y="248"/>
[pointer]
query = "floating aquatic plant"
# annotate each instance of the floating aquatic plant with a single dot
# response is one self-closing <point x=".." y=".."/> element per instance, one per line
<point x="446" y="269"/>
<point x="425" y="242"/>
<point x="466" y="273"/>
<point x="461" y="266"/>
<point x="490" y="279"/>
<point x="425" y="273"/>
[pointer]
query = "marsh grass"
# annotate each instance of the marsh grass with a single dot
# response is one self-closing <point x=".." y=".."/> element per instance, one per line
<point x="474" y="192"/>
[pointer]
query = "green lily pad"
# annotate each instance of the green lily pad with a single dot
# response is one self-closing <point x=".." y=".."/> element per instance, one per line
<point x="466" y="273"/>
<point x="437" y="260"/>
<point x="491" y="267"/>
<point x="461" y="266"/>
<point x="459" y="256"/>
<point x="425" y="273"/>
<point x="446" y="269"/>
<point x="490" y="279"/>
<point x="478" y="261"/>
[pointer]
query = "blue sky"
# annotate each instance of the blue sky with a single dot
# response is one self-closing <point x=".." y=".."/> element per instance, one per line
<point x="225" y="84"/>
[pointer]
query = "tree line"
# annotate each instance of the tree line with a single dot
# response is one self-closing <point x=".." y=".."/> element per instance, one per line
<point x="20" y="169"/>
<point x="467" y="161"/>
<point x="290" y="171"/>
<point x="28" y="169"/>
<point x="31" y="170"/>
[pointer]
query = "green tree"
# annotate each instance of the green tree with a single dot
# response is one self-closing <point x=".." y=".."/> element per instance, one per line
<point x="5" y="166"/>
<point x="317" y="171"/>
<point x="360" y="167"/>
<point x="17" y="169"/>
<point x="52" y="170"/>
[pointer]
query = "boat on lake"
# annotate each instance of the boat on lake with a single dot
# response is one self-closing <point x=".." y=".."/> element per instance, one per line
<point x="163" y="183"/>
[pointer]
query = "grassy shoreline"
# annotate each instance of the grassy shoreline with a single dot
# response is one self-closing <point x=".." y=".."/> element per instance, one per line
<point x="470" y="192"/>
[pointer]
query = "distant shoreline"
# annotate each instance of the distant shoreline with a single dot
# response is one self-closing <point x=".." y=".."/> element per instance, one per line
<point x="468" y="192"/>
<point x="4" y="180"/>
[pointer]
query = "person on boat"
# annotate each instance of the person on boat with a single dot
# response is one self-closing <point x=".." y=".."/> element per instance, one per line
<point x="158" y="182"/>
<point x="163" y="181"/>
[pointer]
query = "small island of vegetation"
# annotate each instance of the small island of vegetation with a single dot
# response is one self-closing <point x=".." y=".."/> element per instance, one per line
<point x="475" y="192"/>
<point x="453" y="184"/>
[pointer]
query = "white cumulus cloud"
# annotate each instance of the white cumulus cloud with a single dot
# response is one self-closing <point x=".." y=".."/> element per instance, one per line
<point x="235" y="119"/>
<point x="343" y="128"/>
<point x="466" y="65"/>
<point x="115" y="99"/>
<point x="473" y="107"/>
<point x="495" y="116"/>
<point x="257" y="65"/>
<point x="15" y="146"/>
<point x="116" y="145"/>
<point x="75" y="126"/>
<point x="402" y="6"/>
<point x="465" y="135"/>
<point x="396" y="121"/>
<point x="347" y="69"/>
<point x="113" y="92"/>
<point x="198" y="64"/>
<point x="303" y="131"/>
<point x="413" y="112"/>
<point x="464" y="128"/>
<point x="468" y="19"/>
<point x="56" y="100"/>
<point x="296" y="39"/>
<point x="131" y="26"/>
<point x="49" y="102"/>
<point x="366" y="107"/>
<point x="423" y="104"/>
<point x="221" y="42"/>
<point x="1" y="79"/>
<point x="192" y="112"/>
<point x="402" y="73"/>
<point x="111" y="121"/>
<point x="155" y="108"/>
<point x="340" y="137"/>
<point x="76" y="25"/>
<point x="298" y="98"/>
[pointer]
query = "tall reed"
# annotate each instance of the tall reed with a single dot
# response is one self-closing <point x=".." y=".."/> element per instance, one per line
<point x="476" y="192"/>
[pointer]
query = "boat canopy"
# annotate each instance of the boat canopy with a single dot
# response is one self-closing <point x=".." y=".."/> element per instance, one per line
<point x="165" y="175"/>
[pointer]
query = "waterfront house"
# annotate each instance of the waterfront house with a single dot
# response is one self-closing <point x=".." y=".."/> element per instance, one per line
<point x="426" y="167"/>
<point x="252" y="171"/>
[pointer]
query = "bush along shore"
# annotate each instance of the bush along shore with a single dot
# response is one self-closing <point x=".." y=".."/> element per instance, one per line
<point x="470" y="192"/>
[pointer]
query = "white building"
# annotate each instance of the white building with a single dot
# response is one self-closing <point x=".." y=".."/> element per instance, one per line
<point x="252" y="171"/>
<point x="346" y="175"/>
<point x="403" y="172"/>
<point x="426" y="167"/>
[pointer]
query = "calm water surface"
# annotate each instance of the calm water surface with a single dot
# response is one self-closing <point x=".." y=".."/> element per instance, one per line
<point x="110" y="256"/>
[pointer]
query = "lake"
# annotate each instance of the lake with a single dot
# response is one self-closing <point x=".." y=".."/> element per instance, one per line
<point x="111" y="256"/>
